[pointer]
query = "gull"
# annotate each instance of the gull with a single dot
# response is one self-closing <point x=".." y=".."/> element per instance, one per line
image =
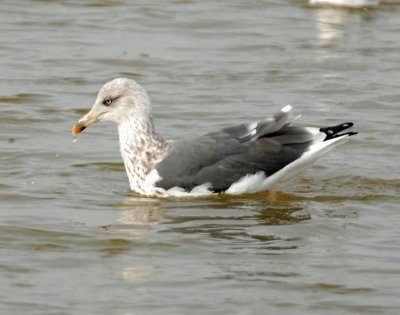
<point x="246" y="158"/>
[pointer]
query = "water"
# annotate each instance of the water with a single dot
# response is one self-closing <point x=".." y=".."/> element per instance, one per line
<point x="73" y="240"/>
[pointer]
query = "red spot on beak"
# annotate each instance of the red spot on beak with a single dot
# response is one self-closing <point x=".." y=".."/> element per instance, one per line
<point x="76" y="129"/>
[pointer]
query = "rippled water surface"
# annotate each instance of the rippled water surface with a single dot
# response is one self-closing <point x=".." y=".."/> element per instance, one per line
<point x="73" y="240"/>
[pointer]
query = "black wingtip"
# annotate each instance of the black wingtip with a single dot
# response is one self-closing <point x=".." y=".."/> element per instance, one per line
<point x="333" y="131"/>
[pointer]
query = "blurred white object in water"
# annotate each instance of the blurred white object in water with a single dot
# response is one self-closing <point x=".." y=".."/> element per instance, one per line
<point x="348" y="3"/>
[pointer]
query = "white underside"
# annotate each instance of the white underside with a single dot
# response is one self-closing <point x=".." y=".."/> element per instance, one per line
<point x="253" y="183"/>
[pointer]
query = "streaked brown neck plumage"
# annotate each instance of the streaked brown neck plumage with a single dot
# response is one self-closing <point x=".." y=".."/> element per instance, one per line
<point x="141" y="149"/>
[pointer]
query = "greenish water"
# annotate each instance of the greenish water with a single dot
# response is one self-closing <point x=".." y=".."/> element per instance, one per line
<point x="74" y="240"/>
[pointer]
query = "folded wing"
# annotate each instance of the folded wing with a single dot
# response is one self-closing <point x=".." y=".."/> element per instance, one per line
<point x="223" y="157"/>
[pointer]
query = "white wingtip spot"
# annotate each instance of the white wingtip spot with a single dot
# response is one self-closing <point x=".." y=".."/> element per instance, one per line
<point x="287" y="109"/>
<point x="252" y="126"/>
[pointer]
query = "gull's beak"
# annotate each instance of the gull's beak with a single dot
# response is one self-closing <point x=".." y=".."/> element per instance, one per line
<point x="85" y="122"/>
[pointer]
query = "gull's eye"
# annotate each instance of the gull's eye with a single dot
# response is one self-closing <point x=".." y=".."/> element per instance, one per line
<point x="107" y="102"/>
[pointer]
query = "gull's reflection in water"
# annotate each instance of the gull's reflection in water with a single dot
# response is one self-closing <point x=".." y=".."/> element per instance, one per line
<point x="139" y="272"/>
<point x="331" y="24"/>
<point x="231" y="222"/>
<point x="140" y="211"/>
<point x="137" y="219"/>
<point x="138" y="215"/>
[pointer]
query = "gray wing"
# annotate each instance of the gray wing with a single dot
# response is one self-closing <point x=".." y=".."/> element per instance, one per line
<point x="223" y="157"/>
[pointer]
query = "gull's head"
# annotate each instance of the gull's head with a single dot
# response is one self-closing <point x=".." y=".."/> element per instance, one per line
<point x="118" y="100"/>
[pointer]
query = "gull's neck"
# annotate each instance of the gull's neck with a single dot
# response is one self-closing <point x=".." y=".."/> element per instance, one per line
<point x="141" y="149"/>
